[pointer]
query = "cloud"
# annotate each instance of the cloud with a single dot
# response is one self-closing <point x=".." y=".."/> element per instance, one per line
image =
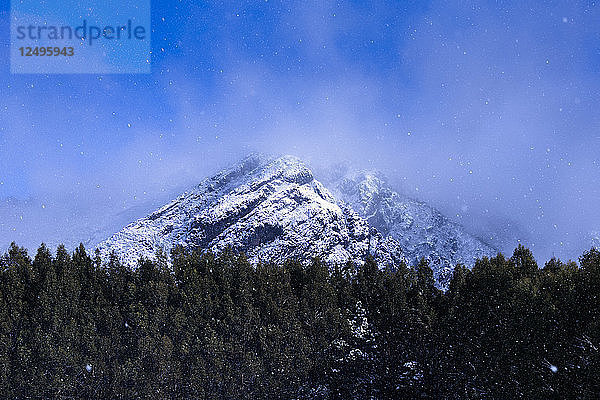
<point x="488" y="113"/>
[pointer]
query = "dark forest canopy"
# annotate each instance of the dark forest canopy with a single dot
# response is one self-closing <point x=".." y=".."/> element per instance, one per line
<point x="75" y="326"/>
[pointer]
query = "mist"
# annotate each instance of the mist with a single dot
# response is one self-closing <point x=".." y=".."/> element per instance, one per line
<point x="488" y="113"/>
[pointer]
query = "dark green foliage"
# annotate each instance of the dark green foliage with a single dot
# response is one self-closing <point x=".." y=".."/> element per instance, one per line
<point x="200" y="326"/>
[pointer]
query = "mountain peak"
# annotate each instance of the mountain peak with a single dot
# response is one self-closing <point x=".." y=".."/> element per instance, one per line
<point x="272" y="208"/>
<point x="269" y="208"/>
<point x="421" y="230"/>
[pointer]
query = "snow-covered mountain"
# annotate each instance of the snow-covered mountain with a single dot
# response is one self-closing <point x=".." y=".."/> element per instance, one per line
<point x="270" y="209"/>
<point x="273" y="209"/>
<point x="421" y="230"/>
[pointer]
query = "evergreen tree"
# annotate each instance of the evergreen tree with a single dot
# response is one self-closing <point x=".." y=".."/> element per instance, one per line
<point x="206" y="326"/>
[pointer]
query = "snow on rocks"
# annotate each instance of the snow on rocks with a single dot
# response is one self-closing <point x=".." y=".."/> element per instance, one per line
<point x="420" y="230"/>
<point x="274" y="209"/>
<point x="270" y="209"/>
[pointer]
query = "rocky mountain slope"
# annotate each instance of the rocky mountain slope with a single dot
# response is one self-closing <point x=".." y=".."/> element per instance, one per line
<point x="420" y="230"/>
<point x="270" y="209"/>
<point x="273" y="209"/>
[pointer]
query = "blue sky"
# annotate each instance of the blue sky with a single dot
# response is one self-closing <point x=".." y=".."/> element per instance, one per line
<point x="489" y="111"/>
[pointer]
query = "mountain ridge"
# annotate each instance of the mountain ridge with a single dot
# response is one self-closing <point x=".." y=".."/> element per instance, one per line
<point x="273" y="208"/>
<point x="420" y="229"/>
<point x="270" y="209"/>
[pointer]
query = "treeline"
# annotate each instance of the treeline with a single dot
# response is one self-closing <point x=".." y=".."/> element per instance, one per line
<point x="75" y="326"/>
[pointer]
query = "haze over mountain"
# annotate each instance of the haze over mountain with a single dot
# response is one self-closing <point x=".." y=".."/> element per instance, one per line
<point x="274" y="208"/>
<point x="487" y="113"/>
<point x="421" y="230"/>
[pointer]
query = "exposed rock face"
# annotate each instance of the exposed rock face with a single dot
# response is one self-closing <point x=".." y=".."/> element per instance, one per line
<point x="273" y="209"/>
<point x="420" y="230"/>
<point x="270" y="209"/>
